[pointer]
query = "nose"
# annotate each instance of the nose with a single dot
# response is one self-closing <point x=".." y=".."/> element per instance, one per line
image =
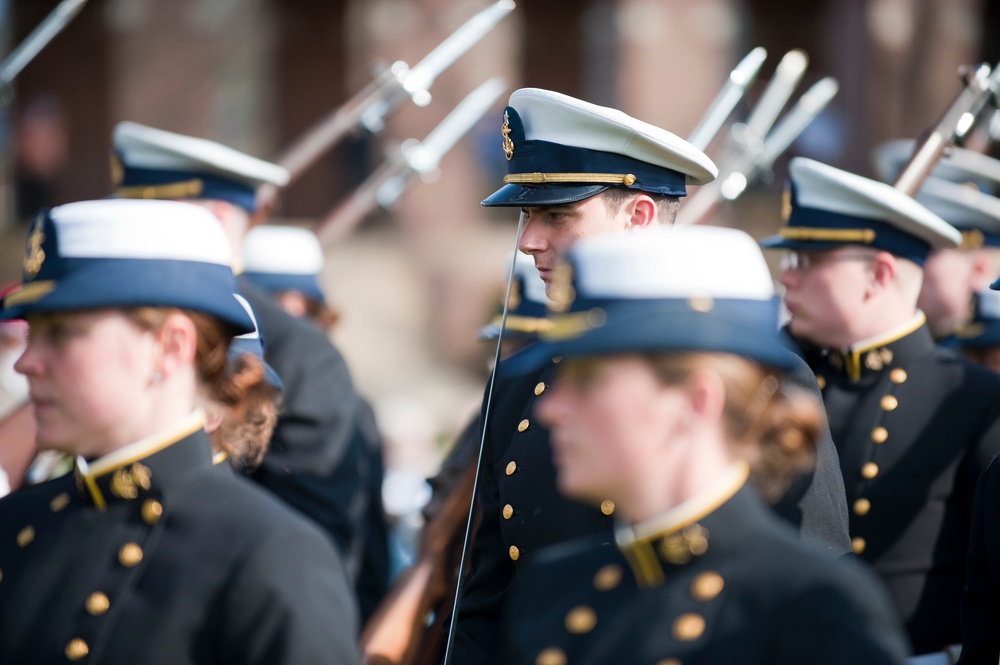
<point x="28" y="364"/>
<point x="788" y="278"/>
<point x="531" y="241"/>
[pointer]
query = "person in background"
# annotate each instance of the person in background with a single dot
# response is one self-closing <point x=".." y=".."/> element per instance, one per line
<point x="286" y="262"/>
<point x="149" y="552"/>
<point x="667" y="400"/>
<point x="318" y="461"/>
<point x="979" y="340"/>
<point x="913" y="423"/>
<point x="962" y="192"/>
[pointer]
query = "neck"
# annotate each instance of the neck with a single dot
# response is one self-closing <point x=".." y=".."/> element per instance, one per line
<point x="676" y="478"/>
<point x="159" y="408"/>
<point x="901" y="323"/>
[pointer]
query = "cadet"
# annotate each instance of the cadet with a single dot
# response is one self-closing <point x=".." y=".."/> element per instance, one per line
<point x="576" y="169"/>
<point x="150" y="553"/>
<point x="286" y="262"/>
<point x="913" y="423"/>
<point x="666" y="399"/>
<point x="979" y="340"/>
<point x="318" y="460"/>
<point x="962" y="192"/>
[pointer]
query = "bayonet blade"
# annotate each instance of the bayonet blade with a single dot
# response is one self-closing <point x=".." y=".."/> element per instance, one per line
<point x="740" y="79"/>
<point x="51" y="26"/>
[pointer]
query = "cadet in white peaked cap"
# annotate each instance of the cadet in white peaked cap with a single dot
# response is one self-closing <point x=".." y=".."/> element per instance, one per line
<point x="578" y="170"/>
<point x="150" y="551"/>
<point x="913" y="422"/>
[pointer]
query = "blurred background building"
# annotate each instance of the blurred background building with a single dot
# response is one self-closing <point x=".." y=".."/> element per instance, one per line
<point x="415" y="283"/>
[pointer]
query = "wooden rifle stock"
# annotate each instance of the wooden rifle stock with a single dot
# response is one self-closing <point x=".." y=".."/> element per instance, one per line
<point x="400" y="632"/>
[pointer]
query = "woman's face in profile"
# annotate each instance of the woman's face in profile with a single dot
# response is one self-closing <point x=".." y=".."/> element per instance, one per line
<point x="87" y="372"/>
<point x="607" y="417"/>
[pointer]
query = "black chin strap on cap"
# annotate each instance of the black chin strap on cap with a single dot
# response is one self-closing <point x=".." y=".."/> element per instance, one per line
<point x="482" y="441"/>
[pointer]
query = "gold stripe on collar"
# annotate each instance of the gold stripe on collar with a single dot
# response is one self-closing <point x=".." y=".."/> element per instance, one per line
<point x="864" y="236"/>
<point x="148" y="446"/>
<point x="645" y="564"/>
<point x="170" y="190"/>
<point x="689" y="512"/>
<point x="538" y="178"/>
<point x="135" y="452"/>
<point x="95" y="492"/>
<point x="852" y="357"/>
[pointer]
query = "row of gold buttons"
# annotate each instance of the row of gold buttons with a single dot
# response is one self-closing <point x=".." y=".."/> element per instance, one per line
<point x="508" y="510"/>
<point x="862" y="506"/>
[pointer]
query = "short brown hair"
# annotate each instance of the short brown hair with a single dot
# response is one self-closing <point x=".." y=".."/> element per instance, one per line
<point x="666" y="205"/>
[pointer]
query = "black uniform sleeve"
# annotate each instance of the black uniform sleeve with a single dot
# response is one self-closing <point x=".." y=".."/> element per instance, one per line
<point x="290" y="602"/>
<point x="980" y="601"/>
<point x="846" y="620"/>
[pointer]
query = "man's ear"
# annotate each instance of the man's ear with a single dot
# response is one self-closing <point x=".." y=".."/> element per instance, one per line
<point x="884" y="270"/>
<point x="982" y="270"/>
<point x="641" y="211"/>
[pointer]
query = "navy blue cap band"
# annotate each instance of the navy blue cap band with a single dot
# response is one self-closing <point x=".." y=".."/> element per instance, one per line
<point x="884" y="236"/>
<point x="82" y="284"/>
<point x="746" y="328"/>
<point x="277" y="282"/>
<point x="141" y="183"/>
<point x="552" y="158"/>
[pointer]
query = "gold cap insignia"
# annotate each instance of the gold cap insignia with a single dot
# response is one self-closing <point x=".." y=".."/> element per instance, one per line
<point x="35" y="255"/>
<point x="508" y="144"/>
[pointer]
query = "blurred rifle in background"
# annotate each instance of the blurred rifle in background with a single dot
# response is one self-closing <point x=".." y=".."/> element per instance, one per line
<point x="752" y="146"/>
<point x="50" y="26"/>
<point x="414" y="158"/>
<point x="369" y="108"/>
<point x="980" y="89"/>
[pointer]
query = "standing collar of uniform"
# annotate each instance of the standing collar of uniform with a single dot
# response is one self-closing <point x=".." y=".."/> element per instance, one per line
<point x="675" y="535"/>
<point x="108" y="473"/>
<point x="874" y="353"/>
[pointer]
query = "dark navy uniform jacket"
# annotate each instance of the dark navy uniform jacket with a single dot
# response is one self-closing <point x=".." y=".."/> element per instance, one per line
<point x="736" y="585"/>
<point x="325" y="455"/>
<point x="168" y="559"/>
<point x="523" y="511"/>
<point x="981" y="600"/>
<point x="914" y="425"/>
